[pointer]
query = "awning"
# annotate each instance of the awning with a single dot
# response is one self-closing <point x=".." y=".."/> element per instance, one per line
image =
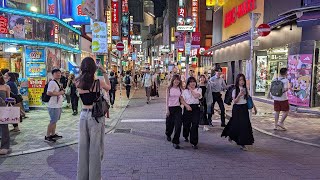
<point x="309" y="19"/>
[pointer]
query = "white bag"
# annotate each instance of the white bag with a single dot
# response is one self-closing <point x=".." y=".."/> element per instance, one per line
<point x="9" y="115"/>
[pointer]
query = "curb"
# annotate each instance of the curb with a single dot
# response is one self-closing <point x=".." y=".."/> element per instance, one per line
<point x="292" y="108"/>
<point x="228" y="116"/>
<point x="64" y="144"/>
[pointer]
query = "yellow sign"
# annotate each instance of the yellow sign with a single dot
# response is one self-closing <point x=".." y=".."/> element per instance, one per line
<point x="221" y="2"/>
<point x="35" y="89"/>
<point x="109" y="25"/>
<point x="210" y="2"/>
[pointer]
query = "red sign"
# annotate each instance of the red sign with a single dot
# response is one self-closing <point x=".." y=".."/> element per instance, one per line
<point x="264" y="29"/>
<point x="196" y="40"/>
<point x="79" y="11"/>
<point x="201" y="51"/>
<point x="115" y="29"/>
<point x="239" y="11"/>
<point x="125" y="7"/>
<point x="181" y="12"/>
<point x="4" y="25"/>
<point x="51" y="9"/>
<point x="115" y="12"/>
<point x="120" y="46"/>
<point x="36" y="83"/>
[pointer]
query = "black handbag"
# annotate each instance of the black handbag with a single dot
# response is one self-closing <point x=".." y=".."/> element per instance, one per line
<point x="100" y="105"/>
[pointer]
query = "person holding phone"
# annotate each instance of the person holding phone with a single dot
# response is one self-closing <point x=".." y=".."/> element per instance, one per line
<point x="239" y="127"/>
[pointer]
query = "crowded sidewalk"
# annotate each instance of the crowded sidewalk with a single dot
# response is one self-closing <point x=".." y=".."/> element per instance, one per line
<point x="33" y="129"/>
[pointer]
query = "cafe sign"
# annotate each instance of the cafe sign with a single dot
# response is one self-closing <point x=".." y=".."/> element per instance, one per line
<point x="239" y="11"/>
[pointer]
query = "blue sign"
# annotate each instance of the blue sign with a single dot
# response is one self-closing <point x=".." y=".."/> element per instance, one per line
<point x="73" y="68"/>
<point x="35" y="55"/>
<point x="36" y="70"/>
<point x="78" y="16"/>
<point x="52" y="7"/>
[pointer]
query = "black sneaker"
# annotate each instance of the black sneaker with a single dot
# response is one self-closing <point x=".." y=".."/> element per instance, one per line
<point x="168" y="138"/>
<point x="49" y="139"/>
<point x="56" y="136"/>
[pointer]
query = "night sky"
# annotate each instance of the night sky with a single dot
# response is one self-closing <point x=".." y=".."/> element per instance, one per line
<point x="159" y="6"/>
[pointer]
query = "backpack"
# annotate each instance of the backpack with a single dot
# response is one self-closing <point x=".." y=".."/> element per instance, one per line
<point x="127" y="80"/>
<point x="45" y="97"/>
<point x="228" y="95"/>
<point x="277" y="88"/>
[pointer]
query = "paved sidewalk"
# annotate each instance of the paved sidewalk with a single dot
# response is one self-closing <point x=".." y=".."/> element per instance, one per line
<point x="34" y="128"/>
<point x="301" y="127"/>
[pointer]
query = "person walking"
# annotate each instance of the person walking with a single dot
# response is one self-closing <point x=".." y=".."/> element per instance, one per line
<point x="147" y="83"/>
<point x="191" y="113"/>
<point x="239" y="127"/>
<point x="64" y="82"/>
<point x="112" y="92"/>
<point x="281" y="102"/>
<point x="54" y="105"/>
<point x="73" y="94"/>
<point x="174" y="111"/>
<point x="154" y="87"/>
<point x="215" y="85"/>
<point x="127" y="80"/>
<point x="5" y="134"/>
<point x="203" y="103"/>
<point x="91" y="130"/>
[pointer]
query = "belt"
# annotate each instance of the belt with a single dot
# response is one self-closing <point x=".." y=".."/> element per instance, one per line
<point x="87" y="110"/>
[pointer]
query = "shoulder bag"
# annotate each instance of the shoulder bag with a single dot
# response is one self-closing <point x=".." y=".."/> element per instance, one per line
<point x="249" y="102"/>
<point x="100" y="105"/>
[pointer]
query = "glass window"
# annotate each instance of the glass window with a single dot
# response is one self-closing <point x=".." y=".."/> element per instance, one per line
<point x="11" y="58"/>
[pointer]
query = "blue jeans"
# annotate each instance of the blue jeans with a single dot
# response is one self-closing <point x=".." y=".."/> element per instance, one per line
<point x="91" y="146"/>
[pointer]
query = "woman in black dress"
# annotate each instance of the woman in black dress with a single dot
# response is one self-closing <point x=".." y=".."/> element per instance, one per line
<point x="203" y="104"/>
<point x="239" y="127"/>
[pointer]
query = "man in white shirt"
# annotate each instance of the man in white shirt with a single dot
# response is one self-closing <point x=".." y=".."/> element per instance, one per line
<point x="56" y="92"/>
<point x="281" y="103"/>
<point x="147" y="83"/>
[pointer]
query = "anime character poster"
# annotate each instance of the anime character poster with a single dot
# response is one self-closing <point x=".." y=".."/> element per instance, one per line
<point x="53" y="59"/>
<point x="17" y="26"/>
<point x="299" y="76"/>
<point x="261" y="74"/>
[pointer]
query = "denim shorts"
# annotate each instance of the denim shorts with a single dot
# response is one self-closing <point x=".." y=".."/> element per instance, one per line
<point x="55" y="114"/>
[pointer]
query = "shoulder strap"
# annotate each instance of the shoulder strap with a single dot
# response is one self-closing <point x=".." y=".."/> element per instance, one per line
<point x="57" y="83"/>
<point x="98" y="87"/>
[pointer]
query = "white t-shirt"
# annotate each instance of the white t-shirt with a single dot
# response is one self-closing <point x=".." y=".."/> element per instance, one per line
<point x="147" y="80"/>
<point x="284" y="96"/>
<point x="242" y="100"/>
<point x="55" y="101"/>
<point x="189" y="98"/>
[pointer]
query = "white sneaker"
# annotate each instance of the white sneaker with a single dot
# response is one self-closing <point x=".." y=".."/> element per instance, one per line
<point x="281" y="125"/>
<point x="205" y="128"/>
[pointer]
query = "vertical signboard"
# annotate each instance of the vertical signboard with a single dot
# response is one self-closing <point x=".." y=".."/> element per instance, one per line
<point x="109" y="27"/>
<point x="115" y="19"/>
<point x="52" y="7"/>
<point x="4" y="22"/>
<point x="196" y="40"/>
<point x="195" y="15"/>
<point x="35" y="62"/>
<point x="99" y="39"/>
<point x="35" y="90"/>
<point x="179" y="44"/>
<point x="299" y="76"/>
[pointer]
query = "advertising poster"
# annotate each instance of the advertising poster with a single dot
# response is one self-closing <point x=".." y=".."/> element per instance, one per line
<point x="78" y="15"/>
<point x="53" y="59"/>
<point x="196" y="39"/>
<point x="4" y="22"/>
<point x="99" y="39"/>
<point x="36" y="70"/>
<point x="52" y="7"/>
<point x="299" y="76"/>
<point x="224" y="73"/>
<point x="35" y="55"/>
<point x="179" y="44"/>
<point x="261" y="74"/>
<point x="35" y="90"/>
<point x="24" y="92"/>
<point x="16" y="26"/>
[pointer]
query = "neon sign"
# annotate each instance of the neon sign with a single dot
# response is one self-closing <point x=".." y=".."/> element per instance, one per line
<point x="238" y="12"/>
<point x="4" y="25"/>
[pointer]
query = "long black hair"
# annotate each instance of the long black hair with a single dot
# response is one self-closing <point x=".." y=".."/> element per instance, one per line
<point x="193" y="79"/>
<point x="88" y="68"/>
<point x="244" y="86"/>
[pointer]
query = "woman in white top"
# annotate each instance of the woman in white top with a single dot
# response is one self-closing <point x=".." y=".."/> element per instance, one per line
<point x="191" y="113"/>
<point x="239" y="127"/>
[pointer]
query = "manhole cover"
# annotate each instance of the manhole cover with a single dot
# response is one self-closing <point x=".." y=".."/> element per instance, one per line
<point x="122" y="131"/>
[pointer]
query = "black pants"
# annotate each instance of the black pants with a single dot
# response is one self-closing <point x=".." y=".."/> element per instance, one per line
<point x="217" y="97"/>
<point x="128" y="88"/>
<point x="174" y="121"/>
<point x="74" y="103"/>
<point x="191" y="123"/>
<point x="112" y="95"/>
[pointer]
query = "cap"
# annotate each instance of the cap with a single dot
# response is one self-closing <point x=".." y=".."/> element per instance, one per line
<point x="55" y="70"/>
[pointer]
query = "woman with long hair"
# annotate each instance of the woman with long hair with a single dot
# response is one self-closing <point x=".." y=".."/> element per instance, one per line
<point x="174" y="111"/>
<point x="203" y="102"/>
<point x="239" y="127"/>
<point x="73" y="94"/>
<point x="5" y="136"/>
<point x="191" y="113"/>
<point x="91" y="130"/>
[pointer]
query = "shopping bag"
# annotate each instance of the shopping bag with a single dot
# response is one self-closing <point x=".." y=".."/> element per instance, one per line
<point x="9" y="115"/>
